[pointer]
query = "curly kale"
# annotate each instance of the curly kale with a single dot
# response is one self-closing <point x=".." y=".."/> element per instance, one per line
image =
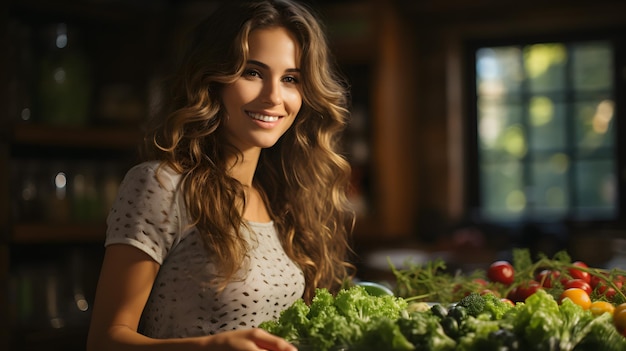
<point x="347" y="319"/>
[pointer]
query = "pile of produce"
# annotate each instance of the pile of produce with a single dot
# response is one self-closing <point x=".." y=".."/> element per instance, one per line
<point x="523" y="305"/>
<point x="515" y="281"/>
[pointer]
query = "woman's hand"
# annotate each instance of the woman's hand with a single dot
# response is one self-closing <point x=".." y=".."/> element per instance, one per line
<point x="249" y="340"/>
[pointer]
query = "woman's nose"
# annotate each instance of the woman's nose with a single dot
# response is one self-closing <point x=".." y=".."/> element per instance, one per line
<point x="272" y="93"/>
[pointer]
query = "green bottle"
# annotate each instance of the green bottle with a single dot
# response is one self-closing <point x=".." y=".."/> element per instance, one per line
<point x="65" y="80"/>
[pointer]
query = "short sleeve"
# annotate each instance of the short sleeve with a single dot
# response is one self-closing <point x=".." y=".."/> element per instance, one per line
<point x="146" y="213"/>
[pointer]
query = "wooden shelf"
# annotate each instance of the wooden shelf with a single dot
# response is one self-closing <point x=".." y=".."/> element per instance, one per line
<point x="90" y="137"/>
<point x="100" y="12"/>
<point x="72" y="338"/>
<point x="36" y="233"/>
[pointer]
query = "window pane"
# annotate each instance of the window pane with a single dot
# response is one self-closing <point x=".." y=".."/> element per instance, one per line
<point x="549" y="193"/>
<point x="547" y="123"/>
<point x="502" y="190"/>
<point x="592" y="63"/>
<point x="545" y="66"/>
<point x="596" y="187"/>
<point x="498" y="71"/>
<point x="499" y="129"/>
<point x="595" y="125"/>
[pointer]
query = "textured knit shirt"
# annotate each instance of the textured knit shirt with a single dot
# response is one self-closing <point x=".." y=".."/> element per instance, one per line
<point x="150" y="215"/>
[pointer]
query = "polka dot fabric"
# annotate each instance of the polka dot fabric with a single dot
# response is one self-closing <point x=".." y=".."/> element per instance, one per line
<point x="150" y="215"/>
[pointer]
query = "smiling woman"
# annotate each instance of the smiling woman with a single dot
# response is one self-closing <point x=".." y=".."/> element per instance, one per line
<point x="240" y="207"/>
<point x="263" y="103"/>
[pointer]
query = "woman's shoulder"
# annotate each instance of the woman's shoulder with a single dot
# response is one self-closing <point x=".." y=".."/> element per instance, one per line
<point x="150" y="171"/>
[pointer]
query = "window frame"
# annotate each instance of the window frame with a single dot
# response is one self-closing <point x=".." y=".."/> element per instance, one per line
<point x="617" y="36"/>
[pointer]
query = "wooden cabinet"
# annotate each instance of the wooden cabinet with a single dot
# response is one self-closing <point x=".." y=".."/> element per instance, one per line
<point x="369" y="39"/>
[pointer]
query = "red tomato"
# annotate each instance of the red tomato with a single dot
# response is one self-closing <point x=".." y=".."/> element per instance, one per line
<point x="501" y="272"/>
<point x="578" y="274"/>
<point x="512" y="295"/>
<point x="595" y="280"/>
<point x="526" y="289"/>
<point x="609" y="294"/>
<point x="546" y="277"/>
<point x="580" y="284"/>
<point x="608" y="291"/>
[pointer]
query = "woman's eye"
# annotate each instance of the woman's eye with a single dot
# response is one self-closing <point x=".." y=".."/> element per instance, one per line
<point x="291" y="79"/>
<point x="251" y="73"/>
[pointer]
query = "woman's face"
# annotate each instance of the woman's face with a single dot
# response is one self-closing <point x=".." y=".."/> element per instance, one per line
<point x="263" y="103"/>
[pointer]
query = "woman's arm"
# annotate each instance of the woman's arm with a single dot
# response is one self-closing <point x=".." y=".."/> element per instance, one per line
<point x="126" y="279"/>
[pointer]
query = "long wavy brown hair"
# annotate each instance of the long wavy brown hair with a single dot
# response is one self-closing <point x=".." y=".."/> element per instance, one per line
<point x="303" y="177"/>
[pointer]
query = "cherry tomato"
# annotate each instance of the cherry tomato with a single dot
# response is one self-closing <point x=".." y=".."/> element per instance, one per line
<point x="600" y="307"/>
<point x="512" y="295"/>
<point x="578" y="296"/>
<point x="602" y="287"/>
<point x="609" y="294"/>
<point x="546" y="277"/>
<point x="620" y="308"/>
<point x="619" y="319"/>
<point x="501" y="272"/>
<point x="526" y="289"/>
<point x="580" y="284"/>
<point x="594" y="280"/>
<point x="578" y="274"/>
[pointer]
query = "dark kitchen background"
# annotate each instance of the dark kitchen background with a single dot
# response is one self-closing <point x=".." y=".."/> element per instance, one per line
<point x="477" y="127"/>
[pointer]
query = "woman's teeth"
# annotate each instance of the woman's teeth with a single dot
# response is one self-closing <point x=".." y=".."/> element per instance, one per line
<point x="263" y="118"/>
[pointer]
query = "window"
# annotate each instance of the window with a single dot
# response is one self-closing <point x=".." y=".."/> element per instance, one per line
<point x="546" y="141"/>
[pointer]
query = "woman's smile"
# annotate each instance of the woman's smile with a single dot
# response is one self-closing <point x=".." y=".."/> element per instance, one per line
<point x="261" y="117"/>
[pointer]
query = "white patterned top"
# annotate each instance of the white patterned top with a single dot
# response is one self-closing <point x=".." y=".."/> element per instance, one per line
<point x="151" y="216"/>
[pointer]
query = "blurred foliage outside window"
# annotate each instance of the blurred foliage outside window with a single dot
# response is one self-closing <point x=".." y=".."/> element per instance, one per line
<point x="546" y="131"/>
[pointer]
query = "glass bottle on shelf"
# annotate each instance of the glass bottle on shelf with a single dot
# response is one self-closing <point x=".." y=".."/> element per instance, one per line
<point x="109" y="186"/>
<point x="86" y="201"/>
<point x="28" y="193"/>
<point x="65" y="79"/>
<point x="21" y="79"/>
<point x="58" y="196"/>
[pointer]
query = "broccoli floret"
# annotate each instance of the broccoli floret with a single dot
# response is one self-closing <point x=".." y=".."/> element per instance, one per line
<point x="495" y="307"/>
<point x="474" y="303"/>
